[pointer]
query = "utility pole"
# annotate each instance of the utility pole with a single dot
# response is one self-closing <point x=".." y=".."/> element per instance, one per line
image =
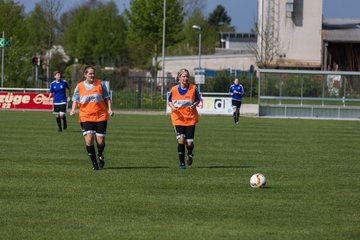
<point x="2" y="61"/>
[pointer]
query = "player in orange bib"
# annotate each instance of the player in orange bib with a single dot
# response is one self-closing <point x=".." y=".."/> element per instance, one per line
<point x="93" y="98"/>
<point x="183" y="100"/>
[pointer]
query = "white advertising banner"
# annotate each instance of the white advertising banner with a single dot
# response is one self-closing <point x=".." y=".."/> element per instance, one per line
<point x="213" y="106"/>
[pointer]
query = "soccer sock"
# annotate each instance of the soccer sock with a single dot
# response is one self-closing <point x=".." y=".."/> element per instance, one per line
<point x="181" y="152"/>
<point x="100" y="149"/>
<point x="237" y="116"/>
<point x="58" y="121"/>
<point x="91" y="152"/>
<point x="64" y="121"/>
<point x="234" y="116"/>
<point x="190" y="149"/>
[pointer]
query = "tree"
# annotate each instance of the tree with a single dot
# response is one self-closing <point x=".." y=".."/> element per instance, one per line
<point x="192" y="5"/>
<point x="220" y="19"/>
<point x="43" y="22"/>
<point x="189" y="37"/>
<point x="44" y="34"/>
<point x="145" y="27"/>
<point x="95" y="34"/>
<point x="110" y="47"/>
<point x="77" y="20"/>
<point x="17" y="57"/>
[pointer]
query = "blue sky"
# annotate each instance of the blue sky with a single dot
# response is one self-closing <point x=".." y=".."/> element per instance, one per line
<point x="242" y="12"/>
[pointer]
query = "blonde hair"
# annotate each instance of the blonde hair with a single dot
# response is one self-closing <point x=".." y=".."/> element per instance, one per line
<point x="87" y="68"/>
<point x="181" y="72"/>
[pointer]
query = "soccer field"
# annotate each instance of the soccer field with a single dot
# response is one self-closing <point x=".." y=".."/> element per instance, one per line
<point x="48" y="190"/>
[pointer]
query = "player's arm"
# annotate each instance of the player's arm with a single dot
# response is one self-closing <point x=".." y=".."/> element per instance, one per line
<point x="107" y="99"/>
<point x="242" y="91"/>
<point x="108" y="103"/>
<point x="75" y="100"/>
<point x="170" y="103"/>
<point x="69" y="92"/>
<point x="197" y="99"/>
<point x="231" y="91"/>
<point x="50" y="91"/>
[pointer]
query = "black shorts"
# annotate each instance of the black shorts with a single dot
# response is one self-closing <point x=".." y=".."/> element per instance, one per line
<point x="97" y="128"/>
<point x="235" y="104"/>
<point x="59" y="108"/>
<point x="186" y="132"/>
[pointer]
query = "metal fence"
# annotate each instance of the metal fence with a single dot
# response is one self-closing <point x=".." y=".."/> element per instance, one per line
<point x="296" y="93"/>
<point x="127" y="92"/>
<point x="140" y="92"/>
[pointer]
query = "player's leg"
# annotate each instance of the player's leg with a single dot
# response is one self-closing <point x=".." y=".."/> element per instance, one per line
<point x="100" y="141"/>
<point x="58" y="121"/>
<point x="190" y="133"/>
<point x="238" y="106"/>
<point x="180" y="137"/>
<point x="233" y="105"/>
<point x="63" y="115"/>
<point x="57" y="117"/>
<point x="88" y="133"/>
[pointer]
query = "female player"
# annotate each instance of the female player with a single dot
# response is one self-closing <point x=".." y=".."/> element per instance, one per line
<point x="95" y="106"/>
<point x="183" y="100"/>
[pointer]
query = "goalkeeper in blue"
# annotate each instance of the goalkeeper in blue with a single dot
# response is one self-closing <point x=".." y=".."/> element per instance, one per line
<point x="236" y="91"/>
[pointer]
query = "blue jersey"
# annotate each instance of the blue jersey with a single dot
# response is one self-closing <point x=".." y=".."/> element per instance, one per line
<point x="76" y="97"/>
<point x="236" y="96"/>
<point x="58" y="89"/>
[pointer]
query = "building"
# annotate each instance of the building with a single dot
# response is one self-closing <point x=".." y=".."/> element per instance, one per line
<point x="289" y="33"/>
<point x="341" y="44"/>
<point x="237" y="43"/>
<point x="214" y="62"/>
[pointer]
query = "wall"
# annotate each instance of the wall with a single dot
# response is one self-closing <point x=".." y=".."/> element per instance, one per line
<point x="298" y="33"/>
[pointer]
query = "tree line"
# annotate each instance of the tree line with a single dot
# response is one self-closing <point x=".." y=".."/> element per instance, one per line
<point x="98" y="33"/>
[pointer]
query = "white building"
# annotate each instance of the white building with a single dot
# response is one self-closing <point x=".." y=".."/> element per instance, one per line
<point x="290" y="33"/>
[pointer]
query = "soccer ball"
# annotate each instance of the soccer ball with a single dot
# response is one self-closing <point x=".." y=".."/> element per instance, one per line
<point x="257" y="180"/>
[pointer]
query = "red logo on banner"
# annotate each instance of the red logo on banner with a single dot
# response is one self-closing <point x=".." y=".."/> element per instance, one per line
<point x="28" y="100"/>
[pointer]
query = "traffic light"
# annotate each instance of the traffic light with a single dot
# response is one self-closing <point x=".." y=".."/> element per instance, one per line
<point x="36" y="61"/>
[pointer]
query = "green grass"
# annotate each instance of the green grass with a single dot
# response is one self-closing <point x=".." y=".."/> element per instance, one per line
<point x="48" y="190"/>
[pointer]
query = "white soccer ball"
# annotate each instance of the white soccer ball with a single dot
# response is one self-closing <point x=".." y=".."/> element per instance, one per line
<point x="257" y="180"/>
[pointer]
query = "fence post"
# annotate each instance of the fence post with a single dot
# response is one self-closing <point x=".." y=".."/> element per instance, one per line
<point x="139" y="93"/>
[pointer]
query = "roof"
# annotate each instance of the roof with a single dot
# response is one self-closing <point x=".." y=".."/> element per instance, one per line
<point x="341" y="23"/>
<point x="341" y="30"/>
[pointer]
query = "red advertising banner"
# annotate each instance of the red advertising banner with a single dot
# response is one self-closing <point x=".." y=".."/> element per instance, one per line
<point x="25" y="100"/>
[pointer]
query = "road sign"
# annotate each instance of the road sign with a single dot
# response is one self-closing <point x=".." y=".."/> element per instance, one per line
<point x="200" y="76"/>
<point x="4" y="42"/>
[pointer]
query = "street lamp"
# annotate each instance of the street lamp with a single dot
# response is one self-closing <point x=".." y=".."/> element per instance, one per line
<point x="197" y="27"/>
<point x="163" y="51"/>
